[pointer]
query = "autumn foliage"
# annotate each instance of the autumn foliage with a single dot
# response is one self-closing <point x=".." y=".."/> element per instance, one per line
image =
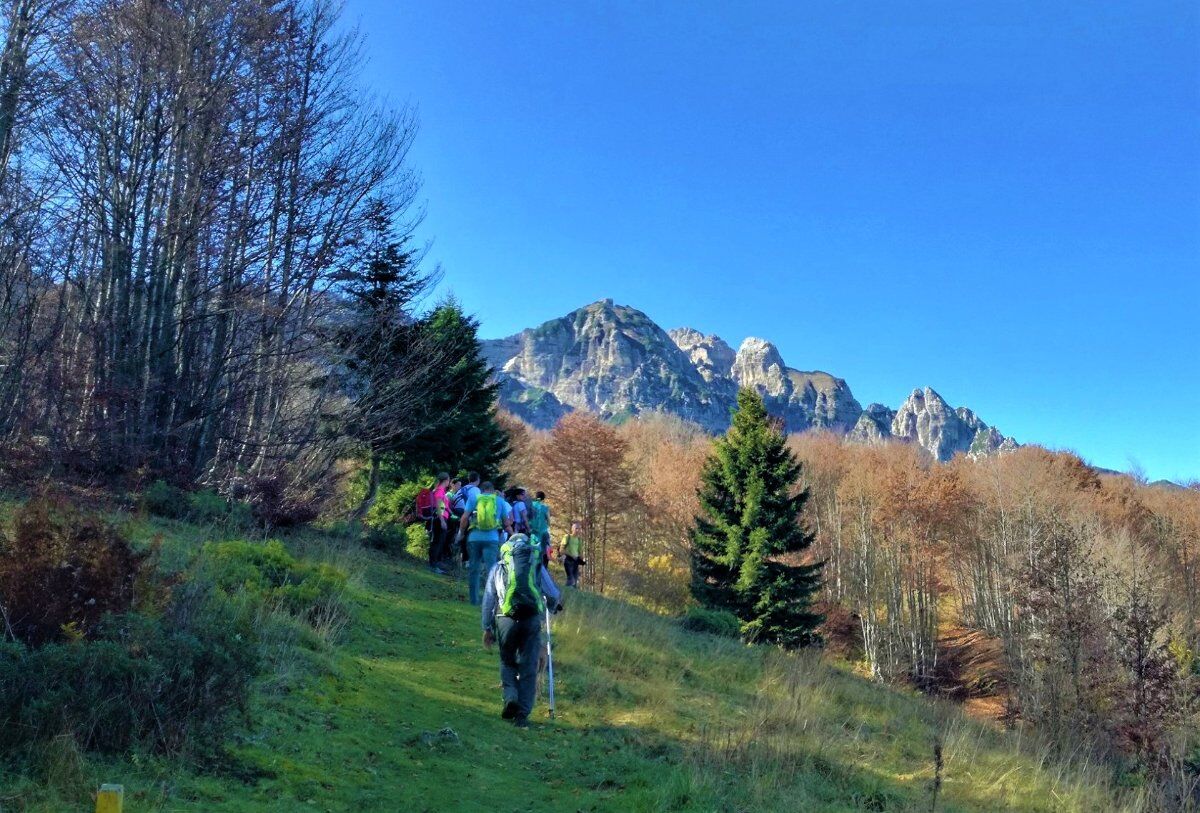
<point x="1029" y="584"/>
<point x="1065" y="595"/>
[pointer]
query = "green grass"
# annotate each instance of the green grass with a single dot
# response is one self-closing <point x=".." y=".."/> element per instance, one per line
<point x="651" y="717"/>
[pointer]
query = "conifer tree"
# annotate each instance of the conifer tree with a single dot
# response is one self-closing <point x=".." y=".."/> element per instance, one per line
<point x="464" y="433"/>
<point x="387" y="364"/>
<point x="747" y="542"/>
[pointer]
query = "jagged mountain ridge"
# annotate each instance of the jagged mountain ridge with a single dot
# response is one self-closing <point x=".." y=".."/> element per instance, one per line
<point x="614" y="361"/>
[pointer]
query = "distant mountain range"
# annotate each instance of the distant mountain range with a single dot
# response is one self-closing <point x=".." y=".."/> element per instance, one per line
<point x="614" y="361"/>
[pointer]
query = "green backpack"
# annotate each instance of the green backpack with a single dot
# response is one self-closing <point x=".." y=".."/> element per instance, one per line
<point x="487" y="513"/>
<point x="522" y="597"/>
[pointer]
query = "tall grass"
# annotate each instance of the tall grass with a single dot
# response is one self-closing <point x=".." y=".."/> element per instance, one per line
<point x="761" y="729"/>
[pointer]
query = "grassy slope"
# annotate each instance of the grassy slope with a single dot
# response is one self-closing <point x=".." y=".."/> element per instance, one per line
<point x="650" y="718"/>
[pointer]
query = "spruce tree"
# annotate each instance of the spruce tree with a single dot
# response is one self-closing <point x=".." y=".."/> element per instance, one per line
<point x="386" y="367"/>
<point x="747" y="542"/>
<point x="463" y="432"/>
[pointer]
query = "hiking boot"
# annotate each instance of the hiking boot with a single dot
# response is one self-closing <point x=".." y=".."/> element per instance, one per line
<point x="521" y="722"/>
<point x="511" y="709"/>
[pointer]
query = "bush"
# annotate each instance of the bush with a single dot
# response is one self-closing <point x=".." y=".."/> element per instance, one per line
<point x="64" y="570"/>
<point x="394" y="505"/>
<point x="268" y="571"/>
<point x="172" y="683"/>
<point x="274" y="507"/>
<point x="417" y="540"/>
<point x="714" y="622"/>
<point x="210" y="508"/>
<point x="391" y="521"/>
<point x="204" y="507"/>
<point x="165" y="500"/>
<point x="391" y="539"/>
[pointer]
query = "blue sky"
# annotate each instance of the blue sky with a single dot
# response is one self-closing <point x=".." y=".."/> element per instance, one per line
<point x="998" y="200"/>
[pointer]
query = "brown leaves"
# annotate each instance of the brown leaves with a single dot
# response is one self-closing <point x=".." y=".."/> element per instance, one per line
<point x="63" y="571"/>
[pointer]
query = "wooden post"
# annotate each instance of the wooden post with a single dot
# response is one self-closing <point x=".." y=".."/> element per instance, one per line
<point x="110" y="799"/>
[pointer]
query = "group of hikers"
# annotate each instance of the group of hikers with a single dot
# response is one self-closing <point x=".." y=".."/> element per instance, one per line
<point x="505" y="541"/>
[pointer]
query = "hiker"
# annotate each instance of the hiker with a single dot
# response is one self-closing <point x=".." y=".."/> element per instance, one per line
<point x="519" y="589"/>
<point x="464" y="494"/>
<point x="539" y="525"/>
<point x="572" y="552"/>
<point x="485" y="516"/>
<point x="456" y="510"/>
<point x="424" y="509"/>
<point x="461" y="497"/>
<point x="520" y="511"/>
<point x="440" y="534"/>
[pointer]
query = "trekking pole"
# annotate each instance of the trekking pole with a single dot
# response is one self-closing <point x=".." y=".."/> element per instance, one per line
<point x="549" y="662"/>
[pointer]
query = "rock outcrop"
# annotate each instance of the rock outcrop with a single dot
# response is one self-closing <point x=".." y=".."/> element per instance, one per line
<point x="710" y="355"/>
<point x="874" y="425"/>
<point x="613" y="360"/>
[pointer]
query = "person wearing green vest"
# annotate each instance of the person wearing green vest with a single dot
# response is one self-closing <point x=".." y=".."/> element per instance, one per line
<point x="485" y="516"/>
<point x="572" y="549"/>
<point x="519" y="590"/>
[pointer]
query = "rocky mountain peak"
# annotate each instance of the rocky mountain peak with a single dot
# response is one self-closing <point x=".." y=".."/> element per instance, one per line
<point x="711" y="356"/>
<point x="613" y="360"/>
<point x="758" y="364"/>
<point x="927" y="420"/>
<point x="605" y="358"/>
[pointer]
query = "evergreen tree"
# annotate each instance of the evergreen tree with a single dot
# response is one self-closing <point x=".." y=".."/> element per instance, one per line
<point x="463" y="432"/>
<point x="387" y="363"/>
<point x="747" y="541"/>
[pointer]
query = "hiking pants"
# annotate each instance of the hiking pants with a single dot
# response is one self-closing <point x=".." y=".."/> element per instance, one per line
<point x="483" y="557"/>
<point x="438" y="549"/>
<point x="571" y="565"/>
<point x="520" y="648"/>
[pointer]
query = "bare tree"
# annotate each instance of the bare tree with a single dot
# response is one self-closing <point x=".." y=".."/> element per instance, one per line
<point x="178" y="209"/>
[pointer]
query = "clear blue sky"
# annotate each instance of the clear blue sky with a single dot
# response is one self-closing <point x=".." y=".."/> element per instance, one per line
<point x="998" y="200"/>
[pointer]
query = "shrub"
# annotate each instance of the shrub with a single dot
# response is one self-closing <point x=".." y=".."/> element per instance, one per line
<point x="714" y="622"/>
<point x="165" y="500"/>
<point x="172" y="683"/>
<point x="63" y="571"/>
<point x="268" y="571"/>
<point x="391" y="521"/>
<point x="205" y="507"/>
<point x="274" y="507"/>
<point x="393" y="539"/>
<point x="395" y="505"/>
<point x="417" y="540"/>
<point x="209" y="507"/>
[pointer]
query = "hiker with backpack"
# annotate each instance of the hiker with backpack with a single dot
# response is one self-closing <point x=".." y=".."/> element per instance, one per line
<point x="440" y="533"/>
<point x="539" y="525"/>
<point x="464" y="494"/>
<point x="516" y="498"/>
<point x="459" y="508"/>
<point x="539" y="520"/>
<point x="485" y="516"/>
<point x="572" y="552"/>
<point x="519" y="590"/>
<point x="427" y="514"/>
<point x="454" y="543"/>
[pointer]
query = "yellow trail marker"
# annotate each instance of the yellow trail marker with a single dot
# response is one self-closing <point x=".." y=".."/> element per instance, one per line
<point x="110" y="799"/>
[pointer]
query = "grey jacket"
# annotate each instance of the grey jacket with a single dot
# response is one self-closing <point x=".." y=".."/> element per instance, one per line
<point x="496" y="587"/>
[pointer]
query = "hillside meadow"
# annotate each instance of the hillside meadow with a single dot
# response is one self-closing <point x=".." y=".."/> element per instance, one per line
<point x="395" y="706"/>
